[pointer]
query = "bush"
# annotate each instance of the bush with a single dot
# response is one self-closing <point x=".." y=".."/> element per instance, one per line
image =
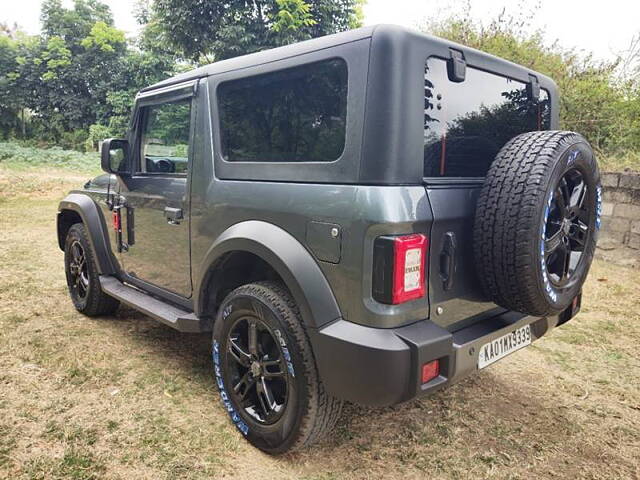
<point x="97" y="133"/>
<point x="74" y="140"/>
<point x="15" y="155"/>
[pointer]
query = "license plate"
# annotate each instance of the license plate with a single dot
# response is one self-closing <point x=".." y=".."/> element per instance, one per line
<point x="503" y="346"/>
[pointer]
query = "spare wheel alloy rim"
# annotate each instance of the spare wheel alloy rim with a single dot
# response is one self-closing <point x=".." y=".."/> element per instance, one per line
<point x="567" y="229"/>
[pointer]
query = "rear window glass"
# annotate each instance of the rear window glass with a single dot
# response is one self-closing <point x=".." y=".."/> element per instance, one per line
<point x="467" y="123"/>
<point x="293" y="115"/>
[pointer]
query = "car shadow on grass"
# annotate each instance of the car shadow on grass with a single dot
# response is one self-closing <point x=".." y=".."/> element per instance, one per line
<point x="487" y="419"/>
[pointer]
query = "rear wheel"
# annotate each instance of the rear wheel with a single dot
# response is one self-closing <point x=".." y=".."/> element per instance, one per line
<point x="265" y="370"/>
<point x="82" y="275"/>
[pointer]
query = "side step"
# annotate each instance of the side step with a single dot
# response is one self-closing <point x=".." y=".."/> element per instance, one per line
<point x="175" y="317"/>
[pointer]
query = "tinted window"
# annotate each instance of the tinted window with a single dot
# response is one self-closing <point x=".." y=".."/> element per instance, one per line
<point x="293" y="115"/>
<point x="165" y="137"/>
<point x="467" y="123"/>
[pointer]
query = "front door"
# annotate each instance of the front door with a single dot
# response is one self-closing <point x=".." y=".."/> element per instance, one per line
<point x="156" y="195"/>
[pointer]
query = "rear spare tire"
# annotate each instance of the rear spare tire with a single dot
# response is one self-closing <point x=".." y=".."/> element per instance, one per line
<point x="536" y="222"/>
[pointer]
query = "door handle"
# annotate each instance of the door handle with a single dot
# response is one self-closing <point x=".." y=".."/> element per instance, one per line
<point x="173" y="215"/>
<point x="448" y="260"/>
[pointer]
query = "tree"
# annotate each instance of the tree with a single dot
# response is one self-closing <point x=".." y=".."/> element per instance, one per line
<point x="148" y="61"/>
<point x="9" y="100"/>
<point x="68" y="70"/>
<point x="208" y="30"/>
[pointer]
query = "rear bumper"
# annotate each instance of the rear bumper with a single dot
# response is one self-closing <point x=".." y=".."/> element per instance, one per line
<point x="381" y="367"/>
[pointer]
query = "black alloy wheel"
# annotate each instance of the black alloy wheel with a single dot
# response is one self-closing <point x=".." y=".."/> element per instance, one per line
<point x="78" y="271"/>
<point x="567" y="227"/>
<point x="83" y="278"/>
<point x="258" y="371"/>
<point x="265" y="370"/>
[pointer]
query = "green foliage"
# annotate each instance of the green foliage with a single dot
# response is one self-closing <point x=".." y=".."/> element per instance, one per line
<point x="206" y="30"/>
<point x="97" y="133"/>
<point x="15" y="155"/>
<point x="65" y="74"/>
<point x="292" y="15"/>
<point x="591" y="100"/>
<point x="104" y="38"/>
<point x="79" y="72"/>
<point x="56" y="56"/>
<point x="76" y="81"/>
<point x="620" y="160"/>
<point x="9" y="104"/>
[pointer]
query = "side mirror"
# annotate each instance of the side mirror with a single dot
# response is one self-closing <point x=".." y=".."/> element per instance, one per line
<point x="114" y="156"/>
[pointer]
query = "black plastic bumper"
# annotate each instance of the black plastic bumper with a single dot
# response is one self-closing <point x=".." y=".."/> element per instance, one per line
<point x="381" y="367"/>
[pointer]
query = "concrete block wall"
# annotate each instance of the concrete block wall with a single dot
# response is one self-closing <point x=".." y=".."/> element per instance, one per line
<point x="620" y="233"/>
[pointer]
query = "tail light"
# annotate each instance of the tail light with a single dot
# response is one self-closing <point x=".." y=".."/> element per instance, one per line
<point x="399" y="268"/>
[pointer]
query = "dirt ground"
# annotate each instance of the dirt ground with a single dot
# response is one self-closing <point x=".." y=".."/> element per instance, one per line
<point x="126" y="398"/>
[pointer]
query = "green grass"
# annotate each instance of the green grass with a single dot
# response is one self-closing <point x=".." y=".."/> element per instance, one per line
<point x="16" y="156"/>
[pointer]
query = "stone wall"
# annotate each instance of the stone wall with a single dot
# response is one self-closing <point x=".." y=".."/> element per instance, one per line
<point x="620" y="233"/>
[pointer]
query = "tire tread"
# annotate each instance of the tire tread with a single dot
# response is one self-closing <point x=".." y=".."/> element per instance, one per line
<point x="323" y="410"/>
<point x="507" y="220"/>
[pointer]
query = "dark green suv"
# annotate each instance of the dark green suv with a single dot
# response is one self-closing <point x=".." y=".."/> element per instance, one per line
<point x="368" y="216"/>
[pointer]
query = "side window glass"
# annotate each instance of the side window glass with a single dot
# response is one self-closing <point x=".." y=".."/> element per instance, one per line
<point x="297" y="114"/>
<point x="164" y="146"/>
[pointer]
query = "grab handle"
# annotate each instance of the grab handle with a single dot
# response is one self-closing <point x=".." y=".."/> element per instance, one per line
<point x="448" y="260"/>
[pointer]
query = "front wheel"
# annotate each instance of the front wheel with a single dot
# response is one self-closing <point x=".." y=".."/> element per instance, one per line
<point x="82" y="275"/>
<point x="266" y="373"/>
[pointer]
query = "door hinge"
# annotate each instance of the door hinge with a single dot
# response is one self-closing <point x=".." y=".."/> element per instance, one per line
<point x="456" y="66"/>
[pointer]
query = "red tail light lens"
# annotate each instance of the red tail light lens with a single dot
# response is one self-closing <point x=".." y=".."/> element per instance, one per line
<point x="399" y="268"/>
<point x="408" y="268"/>
<point x="430" y="371"/>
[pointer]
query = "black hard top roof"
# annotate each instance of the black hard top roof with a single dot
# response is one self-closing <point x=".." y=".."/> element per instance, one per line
<point x="271" y="55"/>
<point x="393" y="37"/>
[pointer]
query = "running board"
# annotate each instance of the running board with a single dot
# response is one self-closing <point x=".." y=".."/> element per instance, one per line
<point x="175" y="317"/>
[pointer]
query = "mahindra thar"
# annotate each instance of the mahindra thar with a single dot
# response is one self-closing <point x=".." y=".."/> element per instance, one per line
<point x="366" y="217"/>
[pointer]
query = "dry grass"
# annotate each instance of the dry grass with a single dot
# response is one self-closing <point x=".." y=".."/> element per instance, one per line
<point x="126" y="398"/>
<point x="619" y="162"/>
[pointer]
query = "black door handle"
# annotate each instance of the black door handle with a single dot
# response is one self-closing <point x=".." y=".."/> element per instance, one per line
<point x="173" y="215"/>
<point x="448" y="260"/>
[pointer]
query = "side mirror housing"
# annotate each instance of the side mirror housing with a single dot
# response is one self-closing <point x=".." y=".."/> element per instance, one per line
<point x="114" y="156"/>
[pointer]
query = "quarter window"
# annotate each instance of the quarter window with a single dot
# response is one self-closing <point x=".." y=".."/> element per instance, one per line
<point x="164" y="144"/>
<point x="293" y="115"/>
<point x="467" y="123"/>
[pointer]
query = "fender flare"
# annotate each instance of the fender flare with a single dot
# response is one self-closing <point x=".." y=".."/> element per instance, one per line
<point x="287" y="256"/>
<point x="93" y="219"/>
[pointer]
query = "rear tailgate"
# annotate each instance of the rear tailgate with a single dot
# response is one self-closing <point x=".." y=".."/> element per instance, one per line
<point x="455" y="296"/>
<point x="466" y="123"/>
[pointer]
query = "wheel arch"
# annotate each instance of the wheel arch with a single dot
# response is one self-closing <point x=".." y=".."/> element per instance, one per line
<point x="75" y="208"/>
<point x="284" y="259"/>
